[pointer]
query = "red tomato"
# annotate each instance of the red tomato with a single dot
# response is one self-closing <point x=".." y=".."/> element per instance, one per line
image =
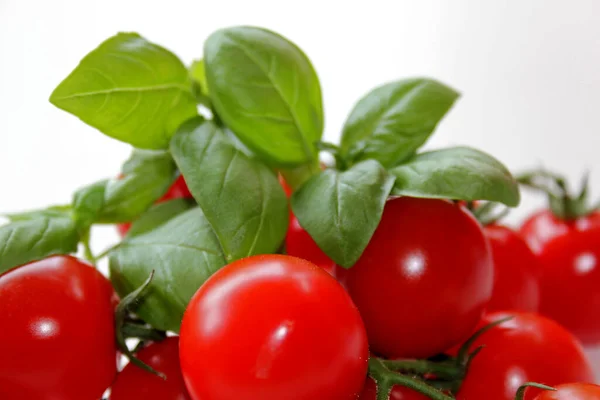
<point x="424" y="279"/>
<point x="398" y="393"/>
<point x="569" y="253"/>
<point x="572" y="391"/>
<point x="516" y="271"/>
<point x="286" y="188"/>
<point x="134" y="383"/>
<point x="527" y="348"/>
<point x="299" y="243"/>
<point x="273" y="327"/>
<point x="58" y="337"/>
<point x="178" y="190"/>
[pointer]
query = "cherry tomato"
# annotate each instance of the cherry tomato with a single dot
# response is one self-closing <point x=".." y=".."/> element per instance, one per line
<point x="178" y="190"/>
<point x="299" y="243"/>
<point x="398" y="393"/>
<point x="516" y="271"/>
<point x="527" y="348"/>
<point x="569" y="254"/>
<point x="423" y="281"/>
<point x="58" y="338"/>
<point x="572" y="391"/>
<point x="273" y="327"/>
<point x="134" y="383"/>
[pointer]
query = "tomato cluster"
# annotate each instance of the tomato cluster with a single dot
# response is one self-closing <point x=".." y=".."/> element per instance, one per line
<point x="246" y="271"/>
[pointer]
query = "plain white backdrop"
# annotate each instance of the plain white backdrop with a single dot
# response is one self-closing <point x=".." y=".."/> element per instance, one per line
<point x="528" y="71"/>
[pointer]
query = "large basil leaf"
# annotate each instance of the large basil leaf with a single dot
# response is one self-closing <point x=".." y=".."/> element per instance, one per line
<point x="146" y="176"/>
<point x="30" y="240"/>
<point x="88" y="203"/>
<point x="129" y="89"/>
<point x="391" y="122"/>
<point x="460" y="173"/>
<point x="341" y="210"/>
<point x="240" y="196"/>
<point x="184" y="252"/>
<point x="158" y="215"/>
<point x="267" y="91"/>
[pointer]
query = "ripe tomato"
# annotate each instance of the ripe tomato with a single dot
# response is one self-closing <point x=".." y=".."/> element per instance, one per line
<point x="527" y="348"/>
<point x="134" y="383"/>
<point x="286" y="188"/>
<point x="178" y="190"/>
<point x="58" y="338"/>
<point x="516" y="271"/>
<point x="424" y="279"/>
<point x="572" y="391"/>
<point x="569" y="254"/>
<point x="273" y="327"/>
<point x="398" y="393"/>
<point x="299" y="243"/>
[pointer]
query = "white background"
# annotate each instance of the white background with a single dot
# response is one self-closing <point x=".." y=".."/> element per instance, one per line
<point x="529" y="71"/>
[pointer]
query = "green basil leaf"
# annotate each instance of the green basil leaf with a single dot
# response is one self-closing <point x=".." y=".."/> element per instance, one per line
<point x="50" y="212"/>
<point x="146" y="176"/>
<point x="267" y="91"/>
<point x="341" y="210"/>
<point x="88" y="203"/>
<point x="391" y="122"/>
<point x="459" y="173"/>
<point x="240" y="196"/>
<point x="199" y="85"/>
<point x="30" y="240"/>
<point x="129" y="89"/>
<point x="158" y="215"/>
<point x="184" y="252"/>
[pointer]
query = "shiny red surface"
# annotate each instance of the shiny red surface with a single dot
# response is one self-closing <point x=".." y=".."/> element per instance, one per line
<point x="569" y="254"/>
<point x="133" y="383"/>
<point x="516" y="271"/>
<point x="299" y="243"/>
<point x="424" y="279"/>
<point x="273" y="327"/>
<point x="572" y="391"/>
<point x="528" y="348"/>
<point x="57" y="339"/>
<point x="398" y="393"/>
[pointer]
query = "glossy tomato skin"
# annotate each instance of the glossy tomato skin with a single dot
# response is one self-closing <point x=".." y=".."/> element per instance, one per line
<point x="299" y="243"/>
<point x="569" y="255"/>
<point x="178" y="190"/>
<point x="572" y="391"/>
<point x="273" y="327"/>
<point x="423" y="281"/>
<point x="133" y="383"/>
<point x="59" y="339"/>
<point x="527" y="348"/>
<point x="516" y="271"/>
<point x="398" y="393"/>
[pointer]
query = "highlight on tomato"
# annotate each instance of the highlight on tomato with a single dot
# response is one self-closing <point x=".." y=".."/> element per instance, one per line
<point x="571" y="391"/>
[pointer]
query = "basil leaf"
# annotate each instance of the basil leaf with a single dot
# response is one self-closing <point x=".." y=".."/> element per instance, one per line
<point x="146" y="176"/>
<point x="30" y="240"/>
<point x="460" y="173"/>
<point x="129" y="89"/>
<point x="391" y="122"/>
<point x="199" y="85"/>
<point x="184" y="252"/>
<point x="50" y="212"/>
<point x="158" y="215"/>
<point x="341" y="210"/>
<point x="240" y="196"/>
<point x="266" y="90"/>
<point x="88" y="203"/>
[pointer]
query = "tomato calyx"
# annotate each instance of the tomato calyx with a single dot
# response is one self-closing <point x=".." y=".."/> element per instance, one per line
<point x="127" y="327"/>
<point x="562" y="202"/>
<point x="521" y="391"/>
<point x="487" y="213"/>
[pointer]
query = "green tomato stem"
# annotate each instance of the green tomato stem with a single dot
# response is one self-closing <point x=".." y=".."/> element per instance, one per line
<point x="386" y="379"/>
<point x="445" y="370"/>
<point x="521" y="392"/>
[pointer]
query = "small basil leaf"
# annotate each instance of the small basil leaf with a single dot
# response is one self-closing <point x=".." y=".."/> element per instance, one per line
<point x="146" y="176"/>
<point x="129" y="89"/>
<point x="88" y="203"/>
<point x="30" y="240"/>
<point x="460" y="173"/>
<point x="240" y="196"/>
<point x="199" y="85"/>
<point x="341" y="210"/>
<point x="266" y="90"/>
<point x="391" y="122"/>
<point x="158" y="215"/>
<point x="184" y="252"/>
